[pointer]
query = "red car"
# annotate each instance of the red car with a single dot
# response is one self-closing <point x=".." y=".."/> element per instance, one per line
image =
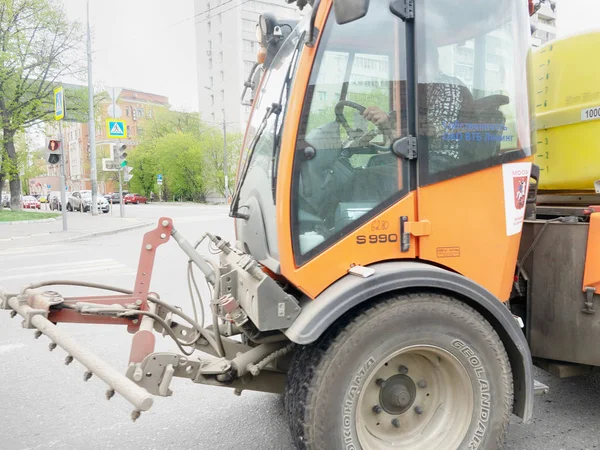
<point x="134" y="198"/>
<point x="30" y="202"/>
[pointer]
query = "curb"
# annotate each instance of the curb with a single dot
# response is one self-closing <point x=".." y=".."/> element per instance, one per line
<point x="89" y="235"/>
<point x="19" y="222"/>
<point x="106" y="233"/>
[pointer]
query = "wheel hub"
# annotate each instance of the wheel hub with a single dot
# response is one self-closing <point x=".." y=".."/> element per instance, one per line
<point x="398" y="394"/>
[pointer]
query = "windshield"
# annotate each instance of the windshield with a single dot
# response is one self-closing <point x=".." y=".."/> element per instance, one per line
<point x="269" y="93"/>
<point x="255" y="193"/>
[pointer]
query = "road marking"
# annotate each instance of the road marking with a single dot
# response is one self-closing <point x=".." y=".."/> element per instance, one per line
<point x="10" y="347"/>
<point x="4" y="258"/>
<point x="75" y="268"/>
<point x="25" y="250"/>
<point x="67" y="265"/>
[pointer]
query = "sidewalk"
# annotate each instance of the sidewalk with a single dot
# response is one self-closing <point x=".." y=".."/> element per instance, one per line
<point x="80" y="226"/>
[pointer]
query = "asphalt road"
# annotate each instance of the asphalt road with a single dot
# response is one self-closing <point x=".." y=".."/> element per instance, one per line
<point x="46" y="405"/>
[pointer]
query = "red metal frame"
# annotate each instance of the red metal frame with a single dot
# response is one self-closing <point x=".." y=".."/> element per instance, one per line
<point x="143" y="340"/>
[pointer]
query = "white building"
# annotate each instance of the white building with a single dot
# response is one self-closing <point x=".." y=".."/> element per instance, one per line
<point x="545" y="22"/>
<point x="226" y="47"/>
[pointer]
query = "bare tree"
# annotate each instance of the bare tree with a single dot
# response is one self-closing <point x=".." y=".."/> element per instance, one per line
<point x="38" y="48"/>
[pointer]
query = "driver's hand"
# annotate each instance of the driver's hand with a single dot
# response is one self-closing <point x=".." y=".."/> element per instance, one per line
<point x="376" y="115"/>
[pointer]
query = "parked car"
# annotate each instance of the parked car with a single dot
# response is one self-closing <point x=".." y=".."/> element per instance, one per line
<point x="6" y="200"/>
<point x="30" y="202"/>
<point x="82" y="201"/>
<point x="54" y="201"/>
<point x="43" y="199"/>
<point x="134" y="198"/>
<point x="115" y="197"/>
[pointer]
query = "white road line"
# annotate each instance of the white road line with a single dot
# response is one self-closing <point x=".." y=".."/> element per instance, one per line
<point x="4" y="258"/>
<point x="76" y="270"/>
<point x="10" y="347"/>
<point x="56" y="266"/>
<point x="25" y="250"/>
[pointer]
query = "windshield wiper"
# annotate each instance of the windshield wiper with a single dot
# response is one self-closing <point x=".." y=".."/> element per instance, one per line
<point x="233" y="212"/>
<point x="277" y="135"/>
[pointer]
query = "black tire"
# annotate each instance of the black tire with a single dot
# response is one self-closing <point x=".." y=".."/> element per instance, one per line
<point x="69" y="207"/>
<point x="327" y="379"/>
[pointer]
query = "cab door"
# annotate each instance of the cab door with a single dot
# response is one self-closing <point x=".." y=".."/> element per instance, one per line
<point x="474" y="136"/>
<point x="349" y="192"/>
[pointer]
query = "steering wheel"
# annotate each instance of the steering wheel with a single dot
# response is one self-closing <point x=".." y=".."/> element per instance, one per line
<point x="339" y="114"/>
<point x="360" y="137"/>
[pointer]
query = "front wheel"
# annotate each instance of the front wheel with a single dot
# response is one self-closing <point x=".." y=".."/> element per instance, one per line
<point x="416" y="372"/>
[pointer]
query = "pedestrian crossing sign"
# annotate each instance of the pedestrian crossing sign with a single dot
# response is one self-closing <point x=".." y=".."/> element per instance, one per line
<point x="59" y="103"/>
<point x="116" y="128"/>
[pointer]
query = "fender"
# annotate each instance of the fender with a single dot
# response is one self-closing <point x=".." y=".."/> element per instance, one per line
<point x="348" y="292"/>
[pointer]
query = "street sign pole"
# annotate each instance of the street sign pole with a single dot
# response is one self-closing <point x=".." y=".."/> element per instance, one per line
<point x="92" y="122"/>
<point x="63" y="184"/>
<point x="122" y="202"/>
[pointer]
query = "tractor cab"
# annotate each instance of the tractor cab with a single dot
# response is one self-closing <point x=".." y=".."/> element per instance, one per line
<point x="373" y="110"/>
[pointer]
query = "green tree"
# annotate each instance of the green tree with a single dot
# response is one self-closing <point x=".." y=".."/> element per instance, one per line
<point x="38" y="47"/>
<point x="187" y="152"/>
<point x="180" y="160"/>
<point x="213" y="142"/>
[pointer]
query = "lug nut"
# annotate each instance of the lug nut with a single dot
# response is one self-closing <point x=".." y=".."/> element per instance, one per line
<point x="377" y="409"/>
<point x="403" y="370"/>
<point x="68" y="360"/>
<point x="51" y="346"/>
<point x="422" y="384"/>
<point x="418" y="410"/>
<point x="37" y="334"/>
<point x="395" y="423"/>
<point x="110" y="394"/>
<point x="87" y="376"/>
<point x="380" y="382"/>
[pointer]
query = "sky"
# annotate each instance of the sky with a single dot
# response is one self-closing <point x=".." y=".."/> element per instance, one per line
<point x="573" y="16"/>
<point x="148" y="45"/>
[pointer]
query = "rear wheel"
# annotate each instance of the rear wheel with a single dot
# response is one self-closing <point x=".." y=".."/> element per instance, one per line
<point x="415" y="372"/>
<point x="69" y="207"/>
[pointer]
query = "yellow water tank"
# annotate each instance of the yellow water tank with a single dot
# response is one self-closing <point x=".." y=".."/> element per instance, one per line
<point x="567" y="102"/>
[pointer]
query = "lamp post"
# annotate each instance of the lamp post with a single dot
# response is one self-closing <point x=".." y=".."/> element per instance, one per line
<point x="225" y="175"/>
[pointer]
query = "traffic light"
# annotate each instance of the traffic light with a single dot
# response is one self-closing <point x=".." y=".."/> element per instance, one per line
<point x="121" y="155"/>
<point x="53" y="152"/>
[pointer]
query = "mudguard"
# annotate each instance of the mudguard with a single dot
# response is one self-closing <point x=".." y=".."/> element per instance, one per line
<point x="318" y="314"/>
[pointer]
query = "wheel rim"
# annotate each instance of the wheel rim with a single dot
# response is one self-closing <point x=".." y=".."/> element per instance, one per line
<point x="417" y="398"/>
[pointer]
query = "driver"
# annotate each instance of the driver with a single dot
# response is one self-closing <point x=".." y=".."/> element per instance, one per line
<point x="441" y="99"/>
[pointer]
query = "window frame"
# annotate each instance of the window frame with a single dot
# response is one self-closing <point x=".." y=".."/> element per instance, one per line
<point x="408" y="166"/>
<point x="424" y="177"/>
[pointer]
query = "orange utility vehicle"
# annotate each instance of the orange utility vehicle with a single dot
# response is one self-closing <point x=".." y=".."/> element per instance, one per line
<point x="380" y="277"/>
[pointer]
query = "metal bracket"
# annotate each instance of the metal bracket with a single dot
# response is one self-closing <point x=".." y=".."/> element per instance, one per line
<point x="157" y="370"/>
<point x="405" y="9"/>
<point x="405" y="147"/>
<point x="588" y="306"/>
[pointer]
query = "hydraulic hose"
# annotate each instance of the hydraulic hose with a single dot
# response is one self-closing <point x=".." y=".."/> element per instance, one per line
<point x="204" y="332"/>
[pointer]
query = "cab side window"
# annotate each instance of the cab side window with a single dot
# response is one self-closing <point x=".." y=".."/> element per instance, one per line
<point x="355" y="107"/>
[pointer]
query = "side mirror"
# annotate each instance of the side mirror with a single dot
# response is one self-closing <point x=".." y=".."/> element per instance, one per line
<point x="349" y="10"/>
